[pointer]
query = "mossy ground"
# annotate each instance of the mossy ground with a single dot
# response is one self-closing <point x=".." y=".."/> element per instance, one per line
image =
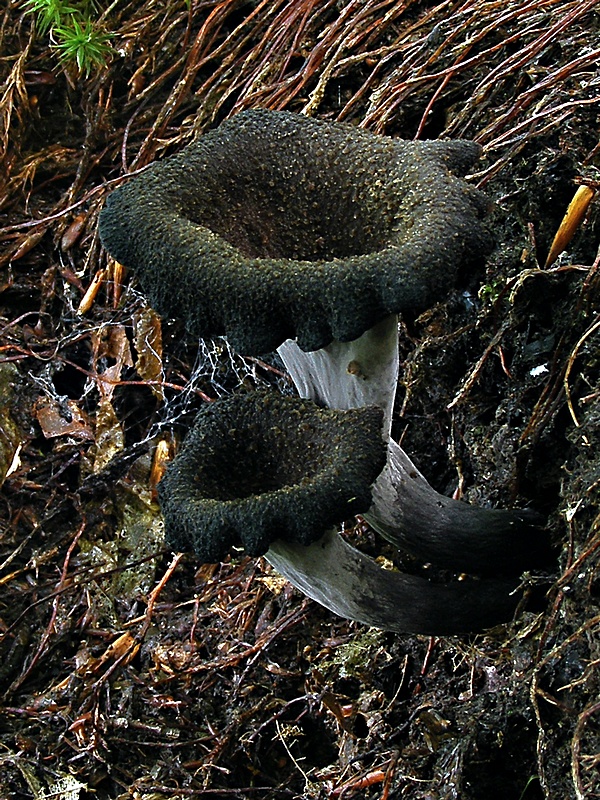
<point x="127" y="672"/>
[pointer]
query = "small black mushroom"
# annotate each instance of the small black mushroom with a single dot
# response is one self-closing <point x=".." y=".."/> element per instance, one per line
<point x="259" y="467"/>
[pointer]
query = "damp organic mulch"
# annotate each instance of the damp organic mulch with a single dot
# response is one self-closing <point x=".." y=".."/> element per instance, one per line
<point x="128" y="671"/>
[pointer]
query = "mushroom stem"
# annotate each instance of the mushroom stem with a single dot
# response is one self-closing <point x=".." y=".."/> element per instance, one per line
<point x="406" y="510"/>
<point x="409" y="513"/>
<point x="345" y="375"/>
<point x="351" y="584"/>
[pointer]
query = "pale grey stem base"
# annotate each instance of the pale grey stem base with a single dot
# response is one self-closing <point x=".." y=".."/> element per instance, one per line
<point x="406" y="510"/>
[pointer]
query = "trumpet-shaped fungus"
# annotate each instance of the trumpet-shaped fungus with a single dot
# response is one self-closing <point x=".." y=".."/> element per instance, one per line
<point x="281" y="231"/>
<point x="259" y="467"/>
<point x="276" y="226"/>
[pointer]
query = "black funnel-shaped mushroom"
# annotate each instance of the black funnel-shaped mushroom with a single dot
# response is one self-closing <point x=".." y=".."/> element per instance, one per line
<point x="276" y="226"/>
<point x="280" y="231"/>
<point x="274" y="474"/>
<point x="258" y="467"/>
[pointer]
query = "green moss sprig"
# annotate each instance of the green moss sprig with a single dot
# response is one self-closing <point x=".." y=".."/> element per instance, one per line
<point x="74" y="35"/>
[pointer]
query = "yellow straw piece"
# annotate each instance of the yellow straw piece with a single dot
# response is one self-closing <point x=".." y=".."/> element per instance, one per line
<point x="87" y="301"/>
<point x="570" y="222"/>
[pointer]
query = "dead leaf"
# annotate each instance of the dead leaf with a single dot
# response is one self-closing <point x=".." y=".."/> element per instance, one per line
<point x="110" y="439"/>
<point x="62" y="417"/>
<point x="163" y="454"/>
<point x="87" y="301"/>
<point x="116" y="278"/>
<point x="72" y="234"/>
<point x="124" y="647"/>
<point x="570" y="223"/>
<point x="114" y="345"/>
<point x="147" y="334"/>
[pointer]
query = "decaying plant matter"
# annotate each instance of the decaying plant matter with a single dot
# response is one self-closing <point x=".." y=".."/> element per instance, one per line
<point x="124" y="670"/>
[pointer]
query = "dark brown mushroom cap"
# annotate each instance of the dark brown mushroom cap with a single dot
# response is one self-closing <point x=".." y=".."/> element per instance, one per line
<point x="260" y="467"/>
<point x="278" y="226"/>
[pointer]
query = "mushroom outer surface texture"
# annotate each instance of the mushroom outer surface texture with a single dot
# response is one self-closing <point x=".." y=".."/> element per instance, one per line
<point x="276" y="226"/>
<point x="259" y="467"/>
